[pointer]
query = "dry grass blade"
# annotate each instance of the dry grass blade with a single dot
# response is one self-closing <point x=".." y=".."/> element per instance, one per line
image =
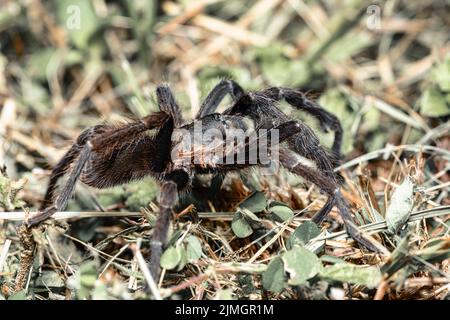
<point x="4" y="254"/>
<point x="376" y="227"/>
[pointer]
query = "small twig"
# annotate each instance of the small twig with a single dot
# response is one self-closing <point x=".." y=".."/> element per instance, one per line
<point x="20" y="215"/>
<point x="381" y="226"/>
<point x="381" y="290"/>
<point x="113" y="258"/>
<point x="435" y="133"/>
<point x="389" y="149"/>
<point x="101" y="253"/>
<point x="268" y="244"/>
<point x="148" y="276"/>
<point x="4" y="253"/>
<point x="60" y="262"/>
<point x="186" y="284"/>
<point x="396" y="114"/>
<point x="237" y="267"/>
<point x="132" y="283"/>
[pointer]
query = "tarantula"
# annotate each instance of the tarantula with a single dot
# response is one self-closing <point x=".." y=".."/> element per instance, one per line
<point x="105" y="155"/>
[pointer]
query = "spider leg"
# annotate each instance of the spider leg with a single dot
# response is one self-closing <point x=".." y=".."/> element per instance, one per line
<point x="210" y="104"/>
<point x="67" y="191"/>
<point x="299" y="101"/>
<point x="324" y="211"/>
<point x="217" y="94"/>
<point x="94" y="145"/>
<point x="291" y="162"/>
<point x="168" y="198"/>
<point x="58" y="171"/>
<point x="305" y="143"/>
<point x="260" y="107"/>
<point x="167" y="103"/>
<point x="64" y="164"/>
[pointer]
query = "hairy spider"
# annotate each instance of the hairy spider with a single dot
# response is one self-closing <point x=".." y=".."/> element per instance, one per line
<point x="105" y="155"/>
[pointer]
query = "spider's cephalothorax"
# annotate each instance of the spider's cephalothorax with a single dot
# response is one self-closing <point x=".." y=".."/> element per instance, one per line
<point x="105" y="156"/>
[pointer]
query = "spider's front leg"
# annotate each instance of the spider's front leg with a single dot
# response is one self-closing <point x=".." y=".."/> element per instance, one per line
<point x="167" y="103"/>
<point x="216" y="96"/>
<point x="209" y="106"/>
<point x="299" y="101"/>
<point x="174" y="181"/>
<point x="168" y="198"/>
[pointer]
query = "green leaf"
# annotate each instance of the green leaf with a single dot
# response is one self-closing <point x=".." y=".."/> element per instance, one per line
<point x="224" y="294"/>
<point x="194" y="249"/>
<point x="399" y="258"/>
<point x="35" y="96"/>
<point x="256" y="202"/>
<point x="78" y="19"/>
<point x="100" y="292"/>
<point x="280" y="212"/>
<point x="346" y="272"/>
<point x="37" y="63"/>
<point x="279" y="69"/>
<point x="331" y="259"/>
<point x="301" y="264"/>
<point x="371" y="117"/>
<point x="400" y="206"/>
<point x="305" y="232"/>
<point x="87" y="278"/>
<point x="274" y="278"/>
<point x="183" y="257"/>
<point x="174" y="236"/>
<point x="433" y="103"/>
<point x="19" y="295"/>
<point x="50" y="279"/>
<point x="88" y="274"/>
<point x="249" y="215"/>
<point x="441" y="74"/>
<point x="47" y="62"/>
<point x="240" y="226"/>
<point x="282" y="71"/>
<point x="171" y="258"/>
<point x="435" y="251"/>
<point x="348" y="46"/>
<point x="336" y="102"/>
<point x="141" y="193"/>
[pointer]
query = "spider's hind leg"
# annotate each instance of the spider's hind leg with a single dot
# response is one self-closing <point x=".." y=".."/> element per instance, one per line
<point x="92" y="143"/>
<point x="290" y="161"/>
<point x="66" y="161"/>
<point x="67" y="191"/>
